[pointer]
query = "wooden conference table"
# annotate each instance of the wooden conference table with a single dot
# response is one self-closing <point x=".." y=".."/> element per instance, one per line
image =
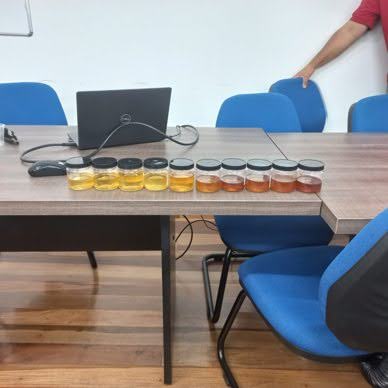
<point x="356" y="177"/>
<point x="42" y="214"/>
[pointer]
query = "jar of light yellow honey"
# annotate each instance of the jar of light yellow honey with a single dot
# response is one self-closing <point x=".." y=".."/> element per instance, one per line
<point x="80" y="174"/>
<point x="106" y="175"/>
<point x="156" y="174"/>
<point x="131" y="174"/>
<point x="181" y="175"/>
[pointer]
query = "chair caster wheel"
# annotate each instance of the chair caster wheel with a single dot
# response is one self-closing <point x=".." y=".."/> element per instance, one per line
<point x="375" y="370"/>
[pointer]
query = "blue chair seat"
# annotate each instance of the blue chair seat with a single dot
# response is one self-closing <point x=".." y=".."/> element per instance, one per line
<point x="284" y="287"/>
<point x="269" y="233"/>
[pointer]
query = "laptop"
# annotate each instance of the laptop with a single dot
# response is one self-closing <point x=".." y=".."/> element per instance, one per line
<point x="99" y="112"/>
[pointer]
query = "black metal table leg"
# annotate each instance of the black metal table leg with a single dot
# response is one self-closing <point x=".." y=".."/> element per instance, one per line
<point x="168" y="280"/>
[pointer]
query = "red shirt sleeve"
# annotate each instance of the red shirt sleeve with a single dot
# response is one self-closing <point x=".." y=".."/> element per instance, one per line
<point x="368" y="13"/>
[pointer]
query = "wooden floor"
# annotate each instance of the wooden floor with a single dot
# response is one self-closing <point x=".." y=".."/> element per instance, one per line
<point x="64" y="326"/>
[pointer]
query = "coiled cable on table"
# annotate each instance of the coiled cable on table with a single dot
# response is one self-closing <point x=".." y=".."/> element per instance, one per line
<point x="125" y="121"/>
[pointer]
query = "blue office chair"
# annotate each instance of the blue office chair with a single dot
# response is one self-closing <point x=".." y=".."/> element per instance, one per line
<point x="326" y="302"/>
<point x="271" y="111"/>
<point x="369" y="115"/>
<point x="31" y="103"/>
<point x="246" y="236"/>
<point x="308" y="102"/>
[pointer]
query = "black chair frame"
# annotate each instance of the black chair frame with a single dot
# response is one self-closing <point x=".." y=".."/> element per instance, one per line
<point x="214" y="310"/>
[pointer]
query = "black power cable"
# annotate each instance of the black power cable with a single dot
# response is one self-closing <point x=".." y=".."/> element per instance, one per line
<point x="207" y="223"/>
<point x="26" y="160"/>
<point x="190" y="225"/>
<point x="125" y="121"/>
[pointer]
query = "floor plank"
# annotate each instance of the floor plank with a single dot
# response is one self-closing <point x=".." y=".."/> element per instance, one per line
<point x="185" y="377"/>
<point x="63" y="325"/>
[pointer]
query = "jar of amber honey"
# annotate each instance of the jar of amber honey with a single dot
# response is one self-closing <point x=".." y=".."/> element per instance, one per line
<point x="131" y="174"/>
<point x="80" y="174"/>
<point x="181" y="175"/>
<point x="106" y="174"/>
<point x="156" y="174"/>
<point x="233" y="174"/>
<point x="258" y="175"/>
<point x="310" y="176"/>
<point x="208" y="175"/>
<point x="284" y="175"/>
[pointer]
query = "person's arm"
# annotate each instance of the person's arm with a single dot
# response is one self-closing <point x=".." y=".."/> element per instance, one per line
<point x="336" y="45"/>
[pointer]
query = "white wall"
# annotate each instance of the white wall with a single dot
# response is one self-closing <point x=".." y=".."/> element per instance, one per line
<point x="206" y="50"/>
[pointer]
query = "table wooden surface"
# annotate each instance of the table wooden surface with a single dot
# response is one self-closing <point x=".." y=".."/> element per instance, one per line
<point x="22" y="195"/>
<point x="355" y="186"/>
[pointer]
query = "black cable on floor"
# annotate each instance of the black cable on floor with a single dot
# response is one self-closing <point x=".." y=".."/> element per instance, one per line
<point x="207" y="223"/>
<point x="190" y="225"/>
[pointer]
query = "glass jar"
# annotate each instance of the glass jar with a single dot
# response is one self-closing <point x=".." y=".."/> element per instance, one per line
<point x="284" y="174"/>
<point x="131" y="174"/>
<point x="181" y="176"/>
<point x="310" y="175"/>
<point x="106" y="175"/>
<point x="208" y="175"/>
<point x="258" y="175"/>
<point x="79" y="172"/>
<point x="233" y="174"/>
<point x="156" y="174"/>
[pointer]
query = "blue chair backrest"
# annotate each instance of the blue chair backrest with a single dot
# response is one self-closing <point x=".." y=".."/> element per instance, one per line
<point x="369" y="115"/>
<point x="271" y="111"/>
<point x="308" y="102"/>
<point x="353" y="291"/>
<point x="30" y="103"/>
<point x="275" y="113"/>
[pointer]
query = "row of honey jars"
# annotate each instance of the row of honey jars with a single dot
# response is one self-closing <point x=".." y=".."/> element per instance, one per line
<point x="258" y="176"/>
<point x="211" y="175"/>
<point x="85" y="173"/>
<point x="156" y="174"/>
<point x="233" y="175"/>
<point x="130" y="174"/>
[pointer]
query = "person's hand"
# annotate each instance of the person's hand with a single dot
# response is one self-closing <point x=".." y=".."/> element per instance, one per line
<point x="305" y="74"/>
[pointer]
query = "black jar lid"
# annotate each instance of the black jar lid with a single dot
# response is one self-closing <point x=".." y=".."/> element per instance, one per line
<point x="130" y="163"/>
<point x="104" y="162"/>
<point x="208" y="164"/>
<point x="234" y="164"/>
<point x="181" y="164"/>
<point x="311" y="165"/>
<point x="259" y="164"/>
<point x="285" y="165"/>
<point x="155" y="163"/>
<point x="78" y="162"/>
